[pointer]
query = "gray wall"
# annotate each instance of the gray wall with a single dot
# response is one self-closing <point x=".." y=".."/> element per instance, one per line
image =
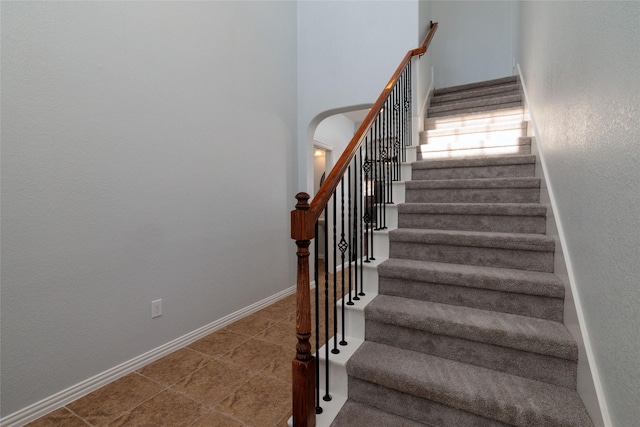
<point x="148" y="151"/>
<point x="581" y="66"/>
<point x="474" y="41"/>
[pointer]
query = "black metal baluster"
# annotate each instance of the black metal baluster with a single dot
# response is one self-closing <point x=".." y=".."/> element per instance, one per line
<point x="403" y="109"/>
<point x="343" y="247"/>
<point x="352" y="260"/>
<point x="367" y="210"/>
<point x="359" y="221"/>
<point x="335" y="349"/>
<point x="327" y="396"/>
<point x="382" y="154"/>
<point x="371" y="185"/>
<point x="377" y="181"/>
<point x="400" y="155"/>
<point x="397" y="164"/>
<point x="408" y="103"/>
<point x="317" y="316"/>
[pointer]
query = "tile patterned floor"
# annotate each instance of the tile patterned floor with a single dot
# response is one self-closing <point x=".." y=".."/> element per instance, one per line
<point x="238" y="376"/>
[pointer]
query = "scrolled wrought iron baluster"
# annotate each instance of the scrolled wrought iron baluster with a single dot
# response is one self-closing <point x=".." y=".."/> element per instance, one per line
<point x="335" y="349"/>
<point x="366" y="167"/>
<point x="343" y="246"/>
<point x="372" y="197"/>
<point x="352" y="260"/>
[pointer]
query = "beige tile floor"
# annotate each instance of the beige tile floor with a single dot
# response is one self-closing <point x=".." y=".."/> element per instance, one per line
<point x="237" y="376"/>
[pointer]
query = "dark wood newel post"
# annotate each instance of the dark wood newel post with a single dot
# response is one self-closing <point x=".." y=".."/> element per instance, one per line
<point x="304" y="365"/>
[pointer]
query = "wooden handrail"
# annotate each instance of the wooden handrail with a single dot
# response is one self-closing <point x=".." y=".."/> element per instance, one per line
<point x="303" y="221"/>
<point x="303" y="228"/>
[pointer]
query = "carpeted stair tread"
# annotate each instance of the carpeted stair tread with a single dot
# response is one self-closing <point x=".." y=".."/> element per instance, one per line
<point x="473" y="162"/>
<point x="490" y="217"/>
<point x="478" y="239"/>
<point x="502" y="329"/>
<point x="522" y="170"/>
<point x="507" y="398"/>
<point x="473" y="144"/>
<point x="464" y="130"/>
<point x="475" y="103"/>
<point x="354" y="414"/>
<point x="525" y="189"/>
<point x="460" y="111"/>
<point x="476" y="85"/>
<point x="510" y="87"/>
<point x="486" y="117"/>
<point x="498" y="279"/>
<point x="505" y="209"/>
<point x="518" y="182"/>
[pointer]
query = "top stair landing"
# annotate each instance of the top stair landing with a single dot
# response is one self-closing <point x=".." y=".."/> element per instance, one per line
<point x="476" y="97"/>
<point x="476" y="119"/>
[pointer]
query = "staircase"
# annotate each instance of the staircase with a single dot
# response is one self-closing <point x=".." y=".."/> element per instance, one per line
<point x="466" y="329"/>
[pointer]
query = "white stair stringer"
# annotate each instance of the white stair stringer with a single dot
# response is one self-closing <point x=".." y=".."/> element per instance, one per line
<point x="354" y="314"/>
<point x="405" y="171"/>
<point x="337" y="365"/>
<point x="398" y="192"/>
<point x="354" y="336"/>
<point x="411" y="153"/>
<point x="381" y="243"/>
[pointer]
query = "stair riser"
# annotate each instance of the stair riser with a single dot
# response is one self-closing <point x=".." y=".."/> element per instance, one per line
<point x="509" y="150"/>
<point x="502" y="171"/>
<point x="473" y="195"/>
<point x="525" y="364"/>
<point x="469" y="296"/>
<point x="469" y="110"/>
<point x="498" y="223"/>
<point x="414" y="408"/>
<point x="475" y="93"/>
<point x="490" y="257"/>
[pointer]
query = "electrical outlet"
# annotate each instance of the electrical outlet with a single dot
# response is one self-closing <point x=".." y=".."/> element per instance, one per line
<point x="156" y="308"/>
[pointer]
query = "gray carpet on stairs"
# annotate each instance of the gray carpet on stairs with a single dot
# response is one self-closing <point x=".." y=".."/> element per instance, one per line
<point x="488" y="393"/>
<point x="467" y="328"/>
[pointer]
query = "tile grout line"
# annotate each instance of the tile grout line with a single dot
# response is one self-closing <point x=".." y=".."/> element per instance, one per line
<point x="78" y="416"/>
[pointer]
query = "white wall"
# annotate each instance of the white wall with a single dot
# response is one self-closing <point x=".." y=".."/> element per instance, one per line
<point x="474" y="41"/>
<point x="335" y="131"/>
<point x="347" y="51"/>
<point x="422" y="65"/>
<point x="581" y="65"/>
<point x="148" y="151"/>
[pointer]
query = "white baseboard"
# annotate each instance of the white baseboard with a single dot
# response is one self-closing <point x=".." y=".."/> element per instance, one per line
<point x="62" y="398"/>
<point x="597" y="384"/>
